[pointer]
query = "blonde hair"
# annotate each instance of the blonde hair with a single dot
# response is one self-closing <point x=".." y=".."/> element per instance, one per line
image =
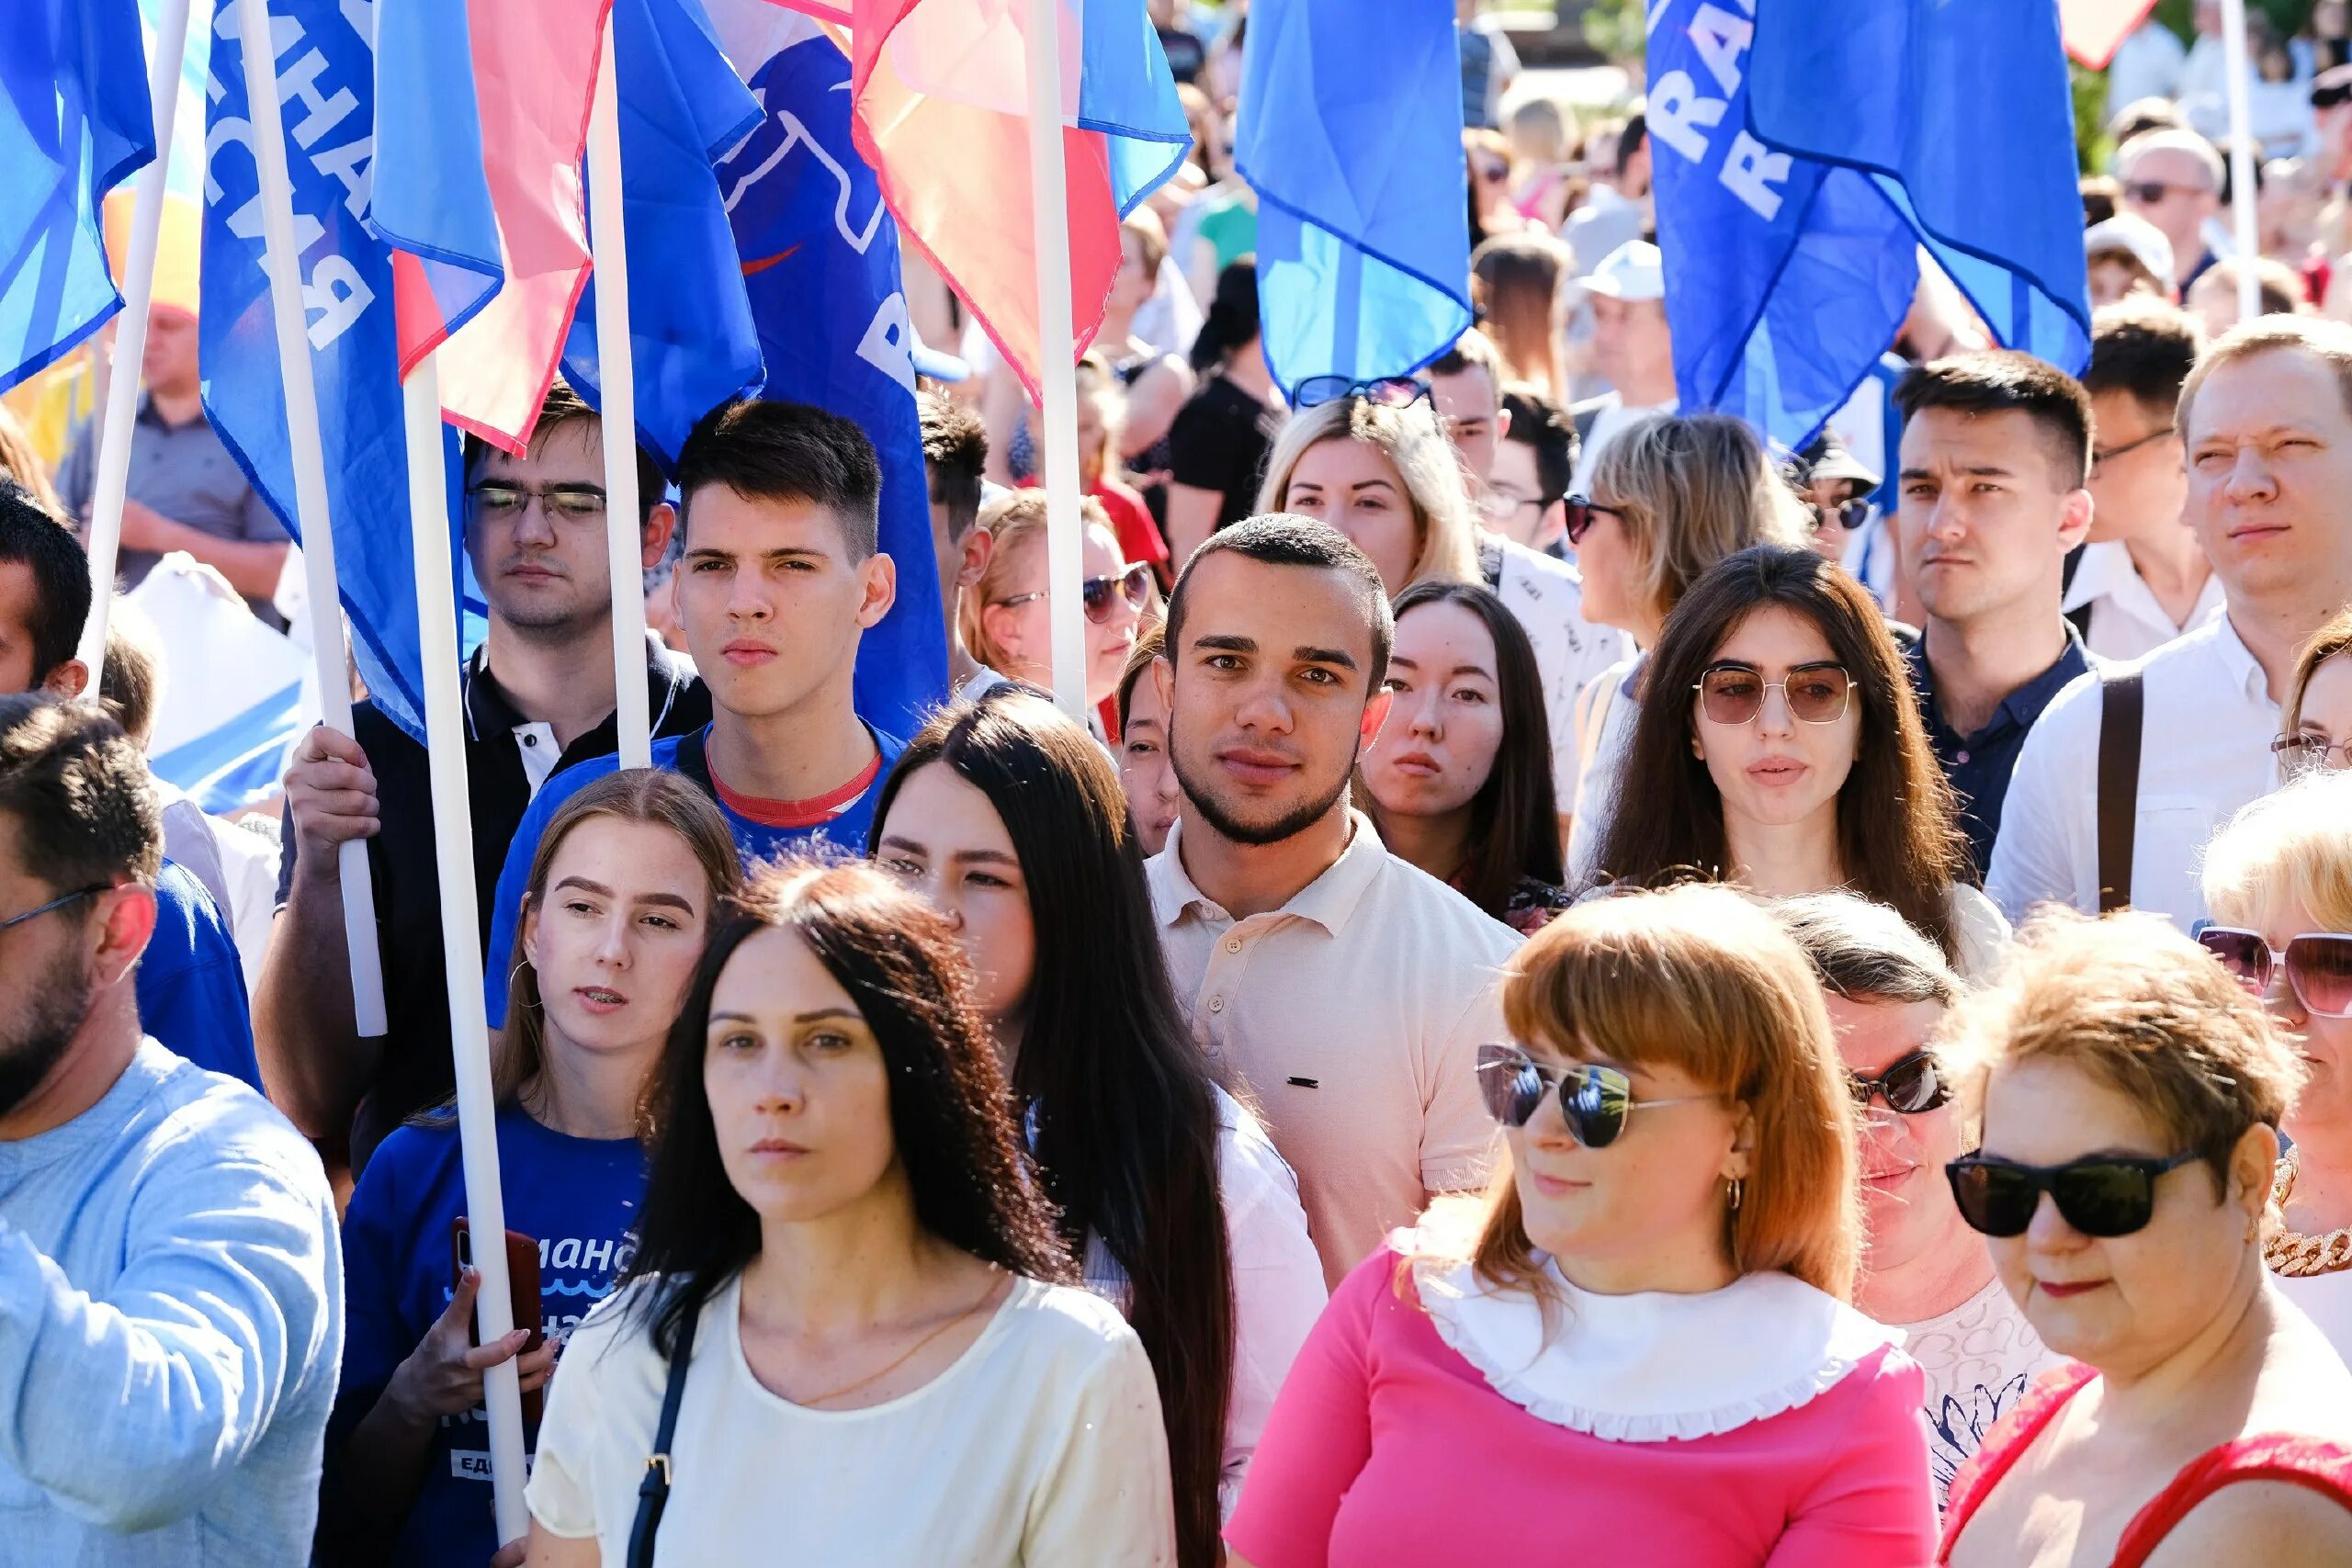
<point x="2131" y="1003"/>
<point x="1414" y="442"/>
<point x="2295" y="844"/>
<point x="1692" y="489"/>
<point x="21" y="463"/>
<point x="1703" y="980"/>
<point x="1017" y="526"/>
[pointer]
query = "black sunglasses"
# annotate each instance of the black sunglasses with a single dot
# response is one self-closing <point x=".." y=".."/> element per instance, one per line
<point x="1911" y="1085"/>
<point x="1386" y="391"/>
<point x="2104" y="1195"/>
<point x="1583" y="512"/>
<point x="1594" y="1100"/>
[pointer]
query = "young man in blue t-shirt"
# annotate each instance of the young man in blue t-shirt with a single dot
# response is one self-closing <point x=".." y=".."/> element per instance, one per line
<point x="780" y="511"/>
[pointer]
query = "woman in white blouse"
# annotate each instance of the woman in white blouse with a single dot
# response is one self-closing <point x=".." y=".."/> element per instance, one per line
<point x="841" y="1338"/>
<point x="1009" y="818"/>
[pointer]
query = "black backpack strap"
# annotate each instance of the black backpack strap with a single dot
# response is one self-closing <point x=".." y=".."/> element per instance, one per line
<point x="653" y="1492"/>
<point x="2122" y="709"/>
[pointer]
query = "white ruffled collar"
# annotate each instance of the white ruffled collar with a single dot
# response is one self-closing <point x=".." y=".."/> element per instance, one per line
<point x="1652" y="1366"/>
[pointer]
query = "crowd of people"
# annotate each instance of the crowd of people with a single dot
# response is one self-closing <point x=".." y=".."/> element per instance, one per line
<point x="1198" y="1129"/>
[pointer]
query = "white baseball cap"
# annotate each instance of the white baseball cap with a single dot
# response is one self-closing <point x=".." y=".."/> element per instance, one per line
<point x="2128" y="233"/>
<point x="1634" y="270"/>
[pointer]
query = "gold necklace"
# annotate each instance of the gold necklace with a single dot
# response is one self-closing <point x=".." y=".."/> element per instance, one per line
<point x="908" y="1355"/>
<point x="2298" y="1256"/>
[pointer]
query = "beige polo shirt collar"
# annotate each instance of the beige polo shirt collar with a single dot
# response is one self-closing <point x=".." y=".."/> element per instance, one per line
<point x="1330" y="900"/>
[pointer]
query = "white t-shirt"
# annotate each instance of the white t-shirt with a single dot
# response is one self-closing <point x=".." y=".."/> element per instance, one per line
<point x="1979" y="1357"/>
<point x="1042" y="1444"/>
<point x="1545" y="596"/>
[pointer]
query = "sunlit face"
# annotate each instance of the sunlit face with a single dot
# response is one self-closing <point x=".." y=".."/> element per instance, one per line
<point x="1516" y="481"/>
<point x="1630" y="340"/>
<point x="944" y="838"/>
<point x="169" y="365"/>
<point x="1471" y="406"/>
<point x="2113" y="278"/>
<point x="2184" y="197"/>
<point x="1131" y="286"/>
<point x="1985" y="518"/>
<point x="1908" y="1208"/>
<point x="799" y="1092"/>
<point x="1145" y="772"/>
<point x="1353" y="486"/>
<point x="2269" y="464"/>
<point x="2138" y="483"/>
<point x="1021" y="620"/>
<point x="2327" y="708"/>
<point x="771" y="602"/>
<point x="1445" y="719"/>
<point x="1778" y="771"/>
<point x="535" y="527"/>
<point x="617" y="934"/>
<point x="1616" y="577"/>
<point x="2323" y="1109"/>
<point x="2120" y="1304"/>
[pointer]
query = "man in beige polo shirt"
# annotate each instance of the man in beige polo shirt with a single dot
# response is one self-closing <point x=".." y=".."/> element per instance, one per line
<point x="1348" y="988"/>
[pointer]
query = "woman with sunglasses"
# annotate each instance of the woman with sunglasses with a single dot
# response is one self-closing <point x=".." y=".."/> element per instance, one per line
<point x="1636" y="1352"/>
<point x="1672" y="495"/>
<point x="1007" y="622"/>
<point x="2127" y="1093"/>
<point x="1171" y="1193"/>
<point x="1459" y="779"/>
<point x="2278" y="880"/>
<point x="1779" y="746"/>
<point x="846" y="1332"/>
<point x="2317" y="732"/>
<point x="1372" y="460"/>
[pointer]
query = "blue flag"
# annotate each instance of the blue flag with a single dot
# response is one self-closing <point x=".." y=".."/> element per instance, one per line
<point x="327" y="73"/>
<point x="431" y="196"/>
<point x="1792" y="236"/>
<point x="1352" y="137"/>
<point x="74" y="122"/>
<point x="821" y="262"/>
<point x="1126" y="91"/>
<point x="681" y="108"/>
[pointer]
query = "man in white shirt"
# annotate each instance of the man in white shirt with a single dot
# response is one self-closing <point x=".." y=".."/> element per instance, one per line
<point x="2267" y="417"/>
<point x="1349" y="988"/>
<point x="2143" y="579"/>
<point x="1631" y="347"/>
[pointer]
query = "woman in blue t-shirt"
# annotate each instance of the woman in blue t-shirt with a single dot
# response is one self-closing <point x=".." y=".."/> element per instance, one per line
<point x="621" y="894"/>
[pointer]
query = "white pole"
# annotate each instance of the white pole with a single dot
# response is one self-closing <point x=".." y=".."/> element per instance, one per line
<point x="614" y="375"/>
<point x="1049" y="217"/>
<point x="2242" y="216"/>
<point x="121" y="406"/>
<point x="283" y="264"/>
<point x="453" y="839"/>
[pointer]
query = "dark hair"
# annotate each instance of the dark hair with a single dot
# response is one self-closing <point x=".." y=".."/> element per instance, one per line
<point x="1999" y="381"/>
<point x="79" y="789"/>
<point x="1629" y="139"/>
<point x="1284" y="538"/>
<point x="1514" y="820"/>
<point x="1126" y="1117"/>
<point x="955" y="456"/>
<point x="2100" y="194"/>
<point x="1896" y="822"/>
<point x="1537" y="420"/>
<point x="2143" y="347"/>
<point x="950" y="1117"/>
<point x="35" y="537"/>
<point x="1232" y="318"/>
<point x="1866" y="953"/>
<point x="1148" y="650"/>
<point x="563" y="406"/>
<point x="768" y="449"/>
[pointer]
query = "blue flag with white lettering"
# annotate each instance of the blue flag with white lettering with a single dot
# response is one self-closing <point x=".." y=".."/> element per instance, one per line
<point x="1350" y="134"/>
<point x="326" y="76"/>
<point x="1792" y="222"/>
<point x="820" y="258"/>
<point x="74" y="122"/>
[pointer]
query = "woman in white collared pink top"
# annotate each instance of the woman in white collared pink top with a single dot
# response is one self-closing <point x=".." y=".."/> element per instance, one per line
<point x="1639" y="1350"/>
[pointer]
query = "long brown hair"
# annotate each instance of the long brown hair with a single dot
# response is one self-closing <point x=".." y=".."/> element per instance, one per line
<point x="1897" y="833"/>
<point x="1518" y="289"/>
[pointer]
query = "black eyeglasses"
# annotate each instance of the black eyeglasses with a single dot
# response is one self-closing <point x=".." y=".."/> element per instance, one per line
<point x="2112" y="453"/>
<point x="1911" y="1085"/>
<point x="1583" y="512"/>
<point x="2147" y="193"/>
<point x="1848" y="514"/>
<point x="57" y="903"/>
<point x="2104" y="1195"/>
<point x="1386" y="391"/>
<point x="1594" y="1100"/>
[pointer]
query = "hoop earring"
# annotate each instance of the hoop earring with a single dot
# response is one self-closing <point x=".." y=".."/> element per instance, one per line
<point x="1736" y="1189"/>
<point x="530" y="1002"/>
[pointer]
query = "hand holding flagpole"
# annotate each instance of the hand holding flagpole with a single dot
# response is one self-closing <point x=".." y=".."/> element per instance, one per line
<point x="1057" y="357"/>
<point x="615" y="378"/>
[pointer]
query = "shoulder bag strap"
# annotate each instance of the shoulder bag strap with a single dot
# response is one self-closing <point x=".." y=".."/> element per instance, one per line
<point x="2123" y="707"/>
<point x="653" y="1492"/>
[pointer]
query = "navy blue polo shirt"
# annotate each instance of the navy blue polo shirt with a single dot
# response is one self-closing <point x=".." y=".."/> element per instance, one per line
<point x="1979" y="765"/>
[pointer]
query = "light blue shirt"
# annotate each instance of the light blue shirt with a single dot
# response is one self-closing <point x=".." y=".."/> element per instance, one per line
<point x="171" y="1323"/>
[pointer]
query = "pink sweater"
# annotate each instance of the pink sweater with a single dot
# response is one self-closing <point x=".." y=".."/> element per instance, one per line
<point x="1385" y="1448"/>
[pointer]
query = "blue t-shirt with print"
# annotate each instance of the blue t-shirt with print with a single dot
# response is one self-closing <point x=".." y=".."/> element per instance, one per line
<point x="844" y="829"/>
<point x="190" y="986"/>
<point x="577" y="1198"/>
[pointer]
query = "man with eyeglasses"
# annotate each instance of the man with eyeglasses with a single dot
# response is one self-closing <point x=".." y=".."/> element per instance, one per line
<point x="2173" y="179"/>
<point x="171" y="1290"/>
<point x="538" y="697"/>
<point x="1924" y="1270"/>
<point x="2143" y="579"/>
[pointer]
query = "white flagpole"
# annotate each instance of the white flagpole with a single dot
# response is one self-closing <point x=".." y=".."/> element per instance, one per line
<point x="616" y="372"/>
<point x="453" y="838"/>
<point x="1056" y="352"/>
<point x="2242" y="215"/>
<point x="283" y="264"/>
<point x="121" y="406"/>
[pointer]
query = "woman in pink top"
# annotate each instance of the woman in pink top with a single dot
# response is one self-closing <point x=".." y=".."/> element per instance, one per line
<point x="1638" y="1351"/>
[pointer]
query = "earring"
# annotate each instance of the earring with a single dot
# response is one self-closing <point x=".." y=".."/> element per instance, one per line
<point x="1738" y="1190"/>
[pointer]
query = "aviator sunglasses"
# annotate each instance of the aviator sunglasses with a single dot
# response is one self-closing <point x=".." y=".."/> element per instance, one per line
<point x="1734" y="693"/>
<point x="1911" y="1085"/>
<point x="2318" y="965"/>
<point x="1593" y="1100"/>
<point x="2104" y="1195"/>
<point x="1133" y="584"/>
